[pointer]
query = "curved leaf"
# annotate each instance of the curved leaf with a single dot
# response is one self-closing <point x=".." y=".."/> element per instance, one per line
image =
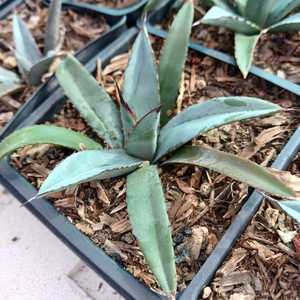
<point x="141" y="87"/>
<point x="291" y="207"/>
<point x="7" y="75"/>
<point x="52" y="30"/>
<point x="258" y="11"/>
<point x="27" y="51"/>
<point x="154" y="5"/>
<point x="91" y="100"/>
<point x="142" y="141"/>
<point x="9" y="82"/>
<point x="244" y="51"/>
<point x="281" y="9"/>
<point x="200" y="118"/>
<point x="288" y="24"/>
<point x="45" y="134"/>
<point x="241" y="5"/>
<point x="233" y="166"/>
<point x="148" y="216"/>
<point x="173" y="58"/>
<point x="218" y="16"/>
<point x="86" y="166"/>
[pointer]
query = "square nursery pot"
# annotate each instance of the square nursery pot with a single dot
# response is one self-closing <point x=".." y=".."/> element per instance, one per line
<point x="95" y="257"/>
<point x="132" y="12"/>
<point x="118" y="26"/>
<point x="154" y="28"/>
<point x="6" y="6"/>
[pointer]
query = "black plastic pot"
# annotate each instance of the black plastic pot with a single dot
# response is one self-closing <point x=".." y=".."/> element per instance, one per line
<point x="132" y="12"/>
<point x="114" y="274"/>
<point x="118" y="25"/>
<point x="7" y="6"/>
<point x="153" y="26"/>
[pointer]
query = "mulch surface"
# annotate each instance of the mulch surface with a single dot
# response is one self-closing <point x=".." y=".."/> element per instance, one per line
<point x="201" y="203"/>
<point x="76" y="29"/>
<point x="277" y="53"/>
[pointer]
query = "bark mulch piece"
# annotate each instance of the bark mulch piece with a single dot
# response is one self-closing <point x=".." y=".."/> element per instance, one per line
<point x="111" y="3"/>
<point x="265" y="263"/>
<point x="76" y="29"/>
<point x="201" y="203"/>
<point x="277" y="53"/>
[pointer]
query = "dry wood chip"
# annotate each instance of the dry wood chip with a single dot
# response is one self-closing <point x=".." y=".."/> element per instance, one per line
<point x="121" y="226"/>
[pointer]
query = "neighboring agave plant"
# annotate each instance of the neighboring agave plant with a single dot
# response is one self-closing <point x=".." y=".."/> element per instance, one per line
<point x="140" y="134"/>
<point x="31" y="63"/>
<point x="249" y="19"/>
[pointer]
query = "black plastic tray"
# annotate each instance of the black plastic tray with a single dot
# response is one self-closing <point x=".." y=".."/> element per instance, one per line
<point x="114" y="274"/>
<point x="118" y="25"/>
<point x="132" y="12"/>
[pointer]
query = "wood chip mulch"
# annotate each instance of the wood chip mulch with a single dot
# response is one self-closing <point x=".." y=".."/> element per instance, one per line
<point x="201" y="204"/>
<point x="76" y="30"/>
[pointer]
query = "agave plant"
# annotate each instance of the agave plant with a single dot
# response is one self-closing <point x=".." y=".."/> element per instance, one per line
<point x="31" y="62"/>
<point x="140" y="133"/>
<point x="249" y="19"/>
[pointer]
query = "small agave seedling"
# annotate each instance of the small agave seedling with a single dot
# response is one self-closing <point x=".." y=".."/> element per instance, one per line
<point x="140" y="134"/>
<point x="31" y="63"/>
<point x="249" y="19"/>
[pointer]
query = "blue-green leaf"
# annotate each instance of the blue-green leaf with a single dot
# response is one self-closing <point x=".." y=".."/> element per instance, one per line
<point x="258" y="11"/>
<point x="218" y="16"/>
<point x="233" y="166"/>
<point x="173" y="58"/>
<point x="148" y="216"/>
<point x="281" y="9"/>
<point x="241" y="6"/>
<point x="142" y="141"/>
<point x="27" y="51"/>
<point x="141" y="88"/>
<point x="155" y="5"/>
<point x="291" y="207"/>
<point x="91" y="100"/>
<point x="244" y="51"/>
<point x="52" y="30"/>
<point x="200" y="118"/>
<point x="9" y="82"/>
<point x="86" y="166"/>
<point x="46" y="134"/>
<point x="288" y="24"/>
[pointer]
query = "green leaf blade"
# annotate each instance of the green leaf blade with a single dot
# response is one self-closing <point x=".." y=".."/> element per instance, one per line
<point x="291" y="207"/>
<point x="244" y="51"/>
<point x="233" y="166"/>
<point x="91" y="100"/>
<point x="287" y="24"/>
<point x="141" y="92"/>
<point x="86" y="166"/>
<point x="173" y="58"/>
<point x="148" y="215"/>
<point x="258" y="11"/>
<point x="46" y="134"/>
<point x="200" y="118"/>
<point x="217" y="16"/>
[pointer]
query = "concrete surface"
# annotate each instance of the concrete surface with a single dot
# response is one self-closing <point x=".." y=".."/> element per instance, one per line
<point x="35" y="265"/>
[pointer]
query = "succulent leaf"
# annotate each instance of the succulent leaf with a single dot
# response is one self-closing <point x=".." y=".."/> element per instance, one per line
<point x="258" y="11"/>
<point x="86" y="166"/>
<point x="9" y="82"/>
<point x="200" y="118"/>
<point x="291" y="207"/>
<point x="140" y="88"/>
<point x="233" y="166"/>
<point x="142" y="141"/>
<point x="154" y="5"/>
<point x="287" y="24"/>
<point x="27" y="51"/>
<point x="173" y="58"/>
<point x="241" y="5"/>
<point x="52" y="30"/>
<point x="218" y="16"/>
<point x="281" y="9"/>
<point x="91" y="100"/>
<point x="244" y="51"/>
<point x="45" y="134"/>
<point x="148" y="216"/>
